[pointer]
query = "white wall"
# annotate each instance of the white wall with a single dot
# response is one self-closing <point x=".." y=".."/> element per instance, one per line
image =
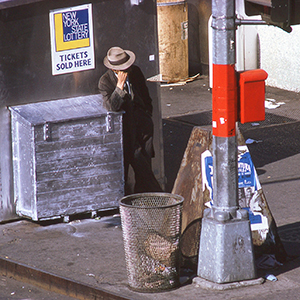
<point x="280" y="56"/>
<point x="278" y="52"/>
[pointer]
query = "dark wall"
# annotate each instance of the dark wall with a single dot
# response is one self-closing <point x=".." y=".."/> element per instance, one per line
<point x="25" y="64"/>
<point x="25" y="53"/>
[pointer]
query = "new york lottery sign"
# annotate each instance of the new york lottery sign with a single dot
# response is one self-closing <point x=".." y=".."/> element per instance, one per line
<point x="72" y="40"/>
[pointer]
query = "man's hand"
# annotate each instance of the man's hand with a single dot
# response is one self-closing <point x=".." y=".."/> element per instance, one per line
<point x="121" y="79"/>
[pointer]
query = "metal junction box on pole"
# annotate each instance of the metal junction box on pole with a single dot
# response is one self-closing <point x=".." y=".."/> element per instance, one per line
<point x="252" y="95"/>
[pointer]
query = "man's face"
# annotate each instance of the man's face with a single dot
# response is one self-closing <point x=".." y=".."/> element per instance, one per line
<point x="124" y="71"/>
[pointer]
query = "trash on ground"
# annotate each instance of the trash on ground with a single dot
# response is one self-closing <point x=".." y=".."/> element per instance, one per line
<point x="271" y="277"/>
<point x="74" y="222"/>
<point x="251" y="141"/>
<point x="159" y="78"/>
<point x="180" y="82"/>
<point x="272" y="104"/>
<point x="267" y="261"/>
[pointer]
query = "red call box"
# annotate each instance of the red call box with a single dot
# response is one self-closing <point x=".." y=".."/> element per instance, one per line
<point x="252" y="95"/>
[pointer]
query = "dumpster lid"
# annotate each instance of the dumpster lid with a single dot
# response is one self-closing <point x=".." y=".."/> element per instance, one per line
<point x="61" y="110"/>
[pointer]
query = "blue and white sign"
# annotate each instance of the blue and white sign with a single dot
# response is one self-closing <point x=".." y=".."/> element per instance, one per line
<point x="72" y="39"/>
<point x="248" y="186"/>
<point x="207" y="174"/>
<point x="246" y="170"/>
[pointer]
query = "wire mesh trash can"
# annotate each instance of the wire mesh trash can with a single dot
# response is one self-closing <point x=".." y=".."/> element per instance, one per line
<point x="151" y="224"/>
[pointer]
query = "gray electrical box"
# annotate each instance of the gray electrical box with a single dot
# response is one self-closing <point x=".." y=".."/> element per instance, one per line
<point x="67" y="157"/>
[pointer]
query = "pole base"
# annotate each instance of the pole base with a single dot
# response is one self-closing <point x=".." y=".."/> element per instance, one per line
<point x="226" y="251"/>
<point x="208" y="285"/>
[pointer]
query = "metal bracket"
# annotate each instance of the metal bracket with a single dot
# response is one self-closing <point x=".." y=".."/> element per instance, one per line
<point x="47" y="132"/>
<point x="239" y="22"/>
<point x="109" y="122"/>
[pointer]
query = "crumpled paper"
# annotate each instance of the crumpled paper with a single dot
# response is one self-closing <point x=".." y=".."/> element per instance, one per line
<point x="272" y="104"/>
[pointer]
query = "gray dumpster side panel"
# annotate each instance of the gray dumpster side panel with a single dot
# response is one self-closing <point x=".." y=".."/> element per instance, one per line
<point x="65" y="161"/>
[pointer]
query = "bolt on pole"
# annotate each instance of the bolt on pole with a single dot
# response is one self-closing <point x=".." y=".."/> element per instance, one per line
<point x="226" y="251"/>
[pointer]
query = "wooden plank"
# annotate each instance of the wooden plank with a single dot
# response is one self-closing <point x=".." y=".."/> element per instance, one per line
<point x="79" y="162"/>
<point x="188" y="182"/>
<point x="81" y="151"/>
<point x="76" y="129"/>
<point x="104" y="188"/>
<point x="61" y="145"/>
<point x="105" y="168"/>
<point x="74" y="202"/>
<point x="77" y="182"/>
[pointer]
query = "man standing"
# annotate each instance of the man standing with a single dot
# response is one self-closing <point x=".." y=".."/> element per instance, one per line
<point x="123" y="88"/>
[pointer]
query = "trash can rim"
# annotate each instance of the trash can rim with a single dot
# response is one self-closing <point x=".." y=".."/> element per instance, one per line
<point x="153" y="194"/>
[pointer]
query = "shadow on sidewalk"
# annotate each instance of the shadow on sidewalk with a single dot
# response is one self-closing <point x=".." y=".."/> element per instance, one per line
<point x="290" y="238"/>
<point x="276" y="138"/>
<point x="274" y="142"/>
<point x="176" y="135"/>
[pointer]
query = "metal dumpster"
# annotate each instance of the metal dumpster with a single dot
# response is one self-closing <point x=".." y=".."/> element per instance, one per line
<point x="67" y="157"/>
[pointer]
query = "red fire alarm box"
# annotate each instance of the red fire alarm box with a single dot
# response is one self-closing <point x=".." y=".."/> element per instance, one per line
<point x="252" y="95"/>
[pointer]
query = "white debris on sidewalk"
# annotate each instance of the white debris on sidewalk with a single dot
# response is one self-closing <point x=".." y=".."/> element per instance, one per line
<point x="272" y="104"/>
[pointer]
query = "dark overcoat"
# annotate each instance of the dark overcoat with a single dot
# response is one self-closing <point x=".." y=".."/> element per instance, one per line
<point x="137" y="120"/>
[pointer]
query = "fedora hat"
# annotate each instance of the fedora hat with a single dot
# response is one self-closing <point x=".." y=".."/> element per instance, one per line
<point x="119" y="59"/>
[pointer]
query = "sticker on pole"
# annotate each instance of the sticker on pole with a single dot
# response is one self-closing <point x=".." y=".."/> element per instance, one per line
<point x="207" y="175"/>
<point x="72" y="39"/>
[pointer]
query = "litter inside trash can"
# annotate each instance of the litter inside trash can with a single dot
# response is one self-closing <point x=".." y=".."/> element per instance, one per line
<point x="151" y="224"/>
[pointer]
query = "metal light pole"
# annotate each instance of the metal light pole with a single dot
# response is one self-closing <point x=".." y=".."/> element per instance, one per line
<point x="225" y="253"/>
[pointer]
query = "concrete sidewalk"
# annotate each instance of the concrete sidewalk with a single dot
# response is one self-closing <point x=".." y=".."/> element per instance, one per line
<point x="90" y="251"/>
